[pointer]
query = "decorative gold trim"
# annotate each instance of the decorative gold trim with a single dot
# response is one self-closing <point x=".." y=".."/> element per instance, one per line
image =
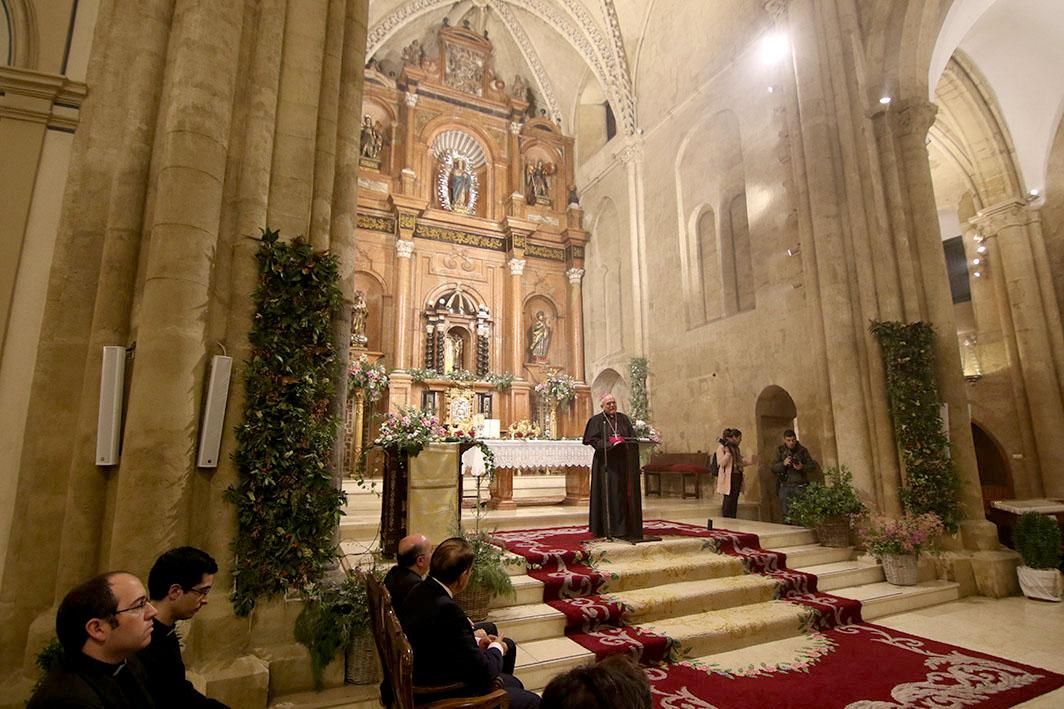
<point x="546" y="252"/>
<point x="407" y="221"/>
<point x="374" y="223"/>
<point x="452" y="236"/>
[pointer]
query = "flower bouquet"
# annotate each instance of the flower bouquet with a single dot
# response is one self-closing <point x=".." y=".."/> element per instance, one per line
<point x="524" y="429"/>
<point x="409" y="430"/>
<point x="557" y="387"/>
<point x="372" y="379"/>
<point x="643" y="429"/>
<point x="908" y="534"/>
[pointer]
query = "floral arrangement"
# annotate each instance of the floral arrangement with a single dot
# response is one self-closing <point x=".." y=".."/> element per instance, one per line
<point x="372" y="379"/>
<point x="524" y="429"/>
<point x="907" y="534"/>
<point x="638" y="404"/>
<point x="461" y="431"/>
<point x="419" y="374"/>
<point x="409" y="430"/>
<point x="643" y="429"/>
<point x="557" y="387"/>
<point x="502" y="382"/>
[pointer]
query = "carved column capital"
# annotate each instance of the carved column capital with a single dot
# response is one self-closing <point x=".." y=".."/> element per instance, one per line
<point x="411" y="98"/>
<point x="994" y="219"/>
<point x="515" y="127"/>
<point x="915" y="118"/>
<point x="776" y="8"/>
<point x="517" y="266"/>
<point x="575" y="275"/>
<point x="632" y="151"/>
<point x="404" y="248"/>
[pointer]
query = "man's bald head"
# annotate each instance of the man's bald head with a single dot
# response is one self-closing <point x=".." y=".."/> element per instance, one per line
<point x="414" y="553"/>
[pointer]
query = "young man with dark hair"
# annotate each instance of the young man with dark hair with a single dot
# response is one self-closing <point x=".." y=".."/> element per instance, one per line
<point x="101" y="624"/>
<point x="616" y="682"/>
<point x="793" y="466"/>
<point x="445" y="648"/>
<point x="178" y="584"/>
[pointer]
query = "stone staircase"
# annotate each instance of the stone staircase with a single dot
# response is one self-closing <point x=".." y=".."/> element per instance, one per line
<point x="675" y="588"/>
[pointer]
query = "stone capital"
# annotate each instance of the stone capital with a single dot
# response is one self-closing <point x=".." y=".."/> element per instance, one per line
<point x="411" y="99"/>
<point x="915" y="118"/>
<point x="404" y="248"/>
<point x="515" y="127"/>
<point x="575" y="275"/>
<point x="992" y="220"/>
<point x="517" y="266"/>
<point x="632" y="151"/>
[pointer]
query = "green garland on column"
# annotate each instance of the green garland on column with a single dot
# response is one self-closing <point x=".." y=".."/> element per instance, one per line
<point x="640" y="405"/>
<point x="932" y="482"/>
<point x="288" y="506"/>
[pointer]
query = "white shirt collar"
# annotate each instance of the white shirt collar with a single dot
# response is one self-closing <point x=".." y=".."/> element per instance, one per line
<point x="444" y="587"/>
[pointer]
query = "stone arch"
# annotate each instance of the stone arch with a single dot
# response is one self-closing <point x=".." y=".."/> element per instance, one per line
<point x="735" y="252"/>
<point x="995" y="474"/>
<point x="775" y="411"/>
<point x="19" y="38"/>
<point x="608" y="381"/>
<point x="703" y="264"/>
<point x="589" y="118"/>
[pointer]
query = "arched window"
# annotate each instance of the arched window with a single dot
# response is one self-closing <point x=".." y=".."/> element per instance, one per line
<point x="6" y="40"/>
<point x="739" y="283"/>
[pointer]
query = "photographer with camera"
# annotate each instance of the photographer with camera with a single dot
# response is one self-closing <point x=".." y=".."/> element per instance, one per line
<point x="792" y="467"/>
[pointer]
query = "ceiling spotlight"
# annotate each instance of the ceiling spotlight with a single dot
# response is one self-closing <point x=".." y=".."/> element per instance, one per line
<point x="885" y="100"/>
<point x="774" y="47"/>
<point x="978" y="274"/>
<point x="771" y="89"/>
<point x="980" y="249"/>
<point x="1034" y="192"/>
<point x="975" y="261"/>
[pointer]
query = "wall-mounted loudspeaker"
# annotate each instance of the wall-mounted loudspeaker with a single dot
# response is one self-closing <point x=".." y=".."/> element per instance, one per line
<point x="214" y="412"/>
<point x="109" y="423"/>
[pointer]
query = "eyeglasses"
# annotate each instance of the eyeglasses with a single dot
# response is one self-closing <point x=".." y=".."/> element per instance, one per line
<point x="201" y="592"/>
<point x="137" y="607"/>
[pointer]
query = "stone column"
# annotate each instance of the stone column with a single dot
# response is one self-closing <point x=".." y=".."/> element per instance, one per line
<point x="516" y="167"/>
<point x="404" y="263"/>
<point x="576" y="323"/>
<point x="163" y="411"/>
<point x="632" y="157"/>
<point x="1007" y="224"/>
<point x="514" y="316"/>
<point x="409" y="174"/>
<point x="913" y="120"/>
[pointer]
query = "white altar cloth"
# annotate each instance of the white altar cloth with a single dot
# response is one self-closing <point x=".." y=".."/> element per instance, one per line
<point x="530" y="454"/>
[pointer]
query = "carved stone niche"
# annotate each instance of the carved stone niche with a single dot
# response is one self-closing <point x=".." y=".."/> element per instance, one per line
<point x="465" y="60"/>
<point x="375" y="139"/>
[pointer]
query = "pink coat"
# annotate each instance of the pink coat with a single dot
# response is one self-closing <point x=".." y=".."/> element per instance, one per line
<point x="725" y="464"/>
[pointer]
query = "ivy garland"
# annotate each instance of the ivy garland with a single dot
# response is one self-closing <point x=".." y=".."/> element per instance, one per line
<point x="932" y="482"/>
<point x="288" y="506"/>
<point x="640" y="405"/>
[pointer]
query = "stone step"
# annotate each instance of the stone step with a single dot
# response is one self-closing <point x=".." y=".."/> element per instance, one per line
<point x="532" y="621"/>
<point x="882" y="599"/>
<point x="841" y="574"/>
<point x="527" y="590"/>
<point x="650" y="573"/>
<point x="540" y="660"/>
<point x="814" y="555"/>
<point x="350" y="696"/>
<point x="711" y="632"/>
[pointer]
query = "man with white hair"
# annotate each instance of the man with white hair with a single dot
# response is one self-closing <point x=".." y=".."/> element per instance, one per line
<point x="604" y="432"/>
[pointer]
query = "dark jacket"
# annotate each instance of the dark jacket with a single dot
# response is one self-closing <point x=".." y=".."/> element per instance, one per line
<point x="787" y="473"/>
<point x="400" y="581"/>
<point x="442" y="639"/>
<point x="87" y="683"/>
<point x="165" y="670"/>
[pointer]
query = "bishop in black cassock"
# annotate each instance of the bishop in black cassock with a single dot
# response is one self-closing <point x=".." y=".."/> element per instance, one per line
<point x="604" y="432"/>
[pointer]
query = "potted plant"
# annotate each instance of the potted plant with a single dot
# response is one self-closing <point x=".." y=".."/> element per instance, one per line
<point x="897" y="543"/>
<point x="335" y="616"/>
<point x="828" y="507"/>
<point x="488" y="578"/>
<point x="1037" y="539"/>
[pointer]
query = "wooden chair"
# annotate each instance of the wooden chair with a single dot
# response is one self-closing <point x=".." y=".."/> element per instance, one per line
<point x="397" y="661"/>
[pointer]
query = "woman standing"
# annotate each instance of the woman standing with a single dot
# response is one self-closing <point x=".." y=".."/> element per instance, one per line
<point x="730" y="462"/>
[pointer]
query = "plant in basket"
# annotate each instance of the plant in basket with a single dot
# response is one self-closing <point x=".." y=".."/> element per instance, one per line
<point x="488" y="578"/>
<point x="409" y="430"/>
<point x="1037" y="539"/>
<point x="335" y="617"/>
<point x="897" y="542"/>
<point x="828" y="507"/>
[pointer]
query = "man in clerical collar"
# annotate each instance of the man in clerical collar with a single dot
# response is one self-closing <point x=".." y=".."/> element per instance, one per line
<point x="178" y="582"/>
<point x="607" y="516"/>
<point x="101" y="624"/>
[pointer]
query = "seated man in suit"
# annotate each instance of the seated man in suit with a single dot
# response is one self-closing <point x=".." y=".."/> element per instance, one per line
<point x="445" y="648"/>
<point x="411" y="565"/>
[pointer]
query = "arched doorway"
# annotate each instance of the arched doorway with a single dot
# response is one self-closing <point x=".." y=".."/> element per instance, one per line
<point x="608" y="381"/>
<point x="775" y="412"/>
<point x="994" y="474"/>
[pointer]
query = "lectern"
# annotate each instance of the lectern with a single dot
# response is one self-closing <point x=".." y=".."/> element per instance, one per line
<point x="633" y="493"/>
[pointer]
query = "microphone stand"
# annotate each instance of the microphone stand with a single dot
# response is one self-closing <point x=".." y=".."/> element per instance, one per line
<point x="606" y="475"/>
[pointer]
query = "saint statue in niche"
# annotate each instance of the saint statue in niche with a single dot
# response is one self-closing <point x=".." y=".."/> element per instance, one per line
<point x="460" y="181"/>
<point x="359" y="310"/>
<point x="537" y="182"/>
<point x="539" y="338"/>
<point x="456" y="184"/>
<point x="371" y="138"/>
<point x="452" y="353"/>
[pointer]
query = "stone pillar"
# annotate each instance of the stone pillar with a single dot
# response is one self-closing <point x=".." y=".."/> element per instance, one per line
<point x="1007" y="225"/>
<point x="576" y="323"/>
<point x="632" y="157"/>
<point x="912" y="121"/>
<point x="163" y="417"/>
<point x="404" y="262"/>
<point x="514" y="317"/>
<point x="409" y="174"/>
<point x="516" y="167"/>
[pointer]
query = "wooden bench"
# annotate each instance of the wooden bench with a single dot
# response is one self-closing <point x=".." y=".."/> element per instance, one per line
<point x="397" y="661"/>
<point x="691" y="467"/>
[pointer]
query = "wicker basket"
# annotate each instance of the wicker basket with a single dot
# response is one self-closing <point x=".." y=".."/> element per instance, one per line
<point x="834" y="532"/>
<point x="363" y="666"/>
<point x="474" y="601"/>
<point x="901" y="569"/>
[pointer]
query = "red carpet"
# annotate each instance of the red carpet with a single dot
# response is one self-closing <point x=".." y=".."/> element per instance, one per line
<point x="844" y="662"/>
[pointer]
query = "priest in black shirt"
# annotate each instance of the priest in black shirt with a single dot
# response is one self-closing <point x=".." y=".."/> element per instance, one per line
<point x="604" y="432"/>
